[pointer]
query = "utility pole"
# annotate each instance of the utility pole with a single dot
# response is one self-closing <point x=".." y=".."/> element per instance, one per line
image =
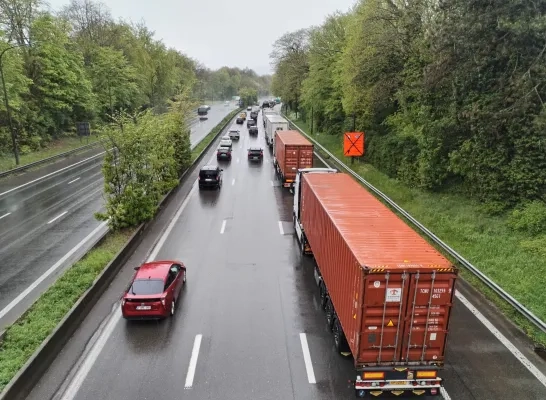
<point x="6" y="102"/>
<point x="354" y="130"/>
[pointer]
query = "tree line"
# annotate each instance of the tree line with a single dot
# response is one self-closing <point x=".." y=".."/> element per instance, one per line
<point x="79" y="64"/>
<point x="450" y="93"/>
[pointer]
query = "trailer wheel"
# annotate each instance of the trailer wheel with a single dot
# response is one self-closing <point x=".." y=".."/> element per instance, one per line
<point x="330" y="314"/>
<point x="339" y="338"/>
<point x="323" y="296"/>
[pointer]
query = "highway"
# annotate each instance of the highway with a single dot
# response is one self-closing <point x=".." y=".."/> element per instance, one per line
<point x="248" y="325"/>
<point x="47" y="221"/>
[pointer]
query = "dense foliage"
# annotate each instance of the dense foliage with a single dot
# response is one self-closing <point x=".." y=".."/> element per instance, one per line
<point x="450" y="93"/>
<point x="81" y="65"/>
<point x="145" y="154"/>
<point x="227" y="82"/>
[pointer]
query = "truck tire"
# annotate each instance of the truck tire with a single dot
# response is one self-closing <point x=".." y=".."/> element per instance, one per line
<point x="330" y="314"/>
<point x="323" y="296"/>
<point x="340" y="340"/>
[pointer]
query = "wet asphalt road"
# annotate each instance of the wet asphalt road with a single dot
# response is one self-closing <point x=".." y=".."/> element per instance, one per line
<point x="43" y="222"/>
<point x="250" y="295"/>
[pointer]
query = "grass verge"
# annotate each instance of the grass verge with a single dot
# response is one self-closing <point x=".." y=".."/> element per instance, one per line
<point x="59" y="146"/>
<point x="24" y="337"/>
<point x="505" y="256"/>
<point x="212" y="134"/>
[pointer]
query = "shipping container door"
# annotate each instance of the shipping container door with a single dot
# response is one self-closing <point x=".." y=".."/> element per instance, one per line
<point x="305" y="157"/>
<point x="427" y="316"/>
<point x="383" y="314"/>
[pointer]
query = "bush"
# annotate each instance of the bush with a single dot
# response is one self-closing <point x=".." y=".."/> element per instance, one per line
<point x="530" y="218"/>
<point x="141" y="165"/>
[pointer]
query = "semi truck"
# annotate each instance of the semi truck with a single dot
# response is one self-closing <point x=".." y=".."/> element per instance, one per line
<point x="292" y="152"/>
<point x="386" y="292"/>
<point x="268" y="111"/>
<point x="274" y="123"/>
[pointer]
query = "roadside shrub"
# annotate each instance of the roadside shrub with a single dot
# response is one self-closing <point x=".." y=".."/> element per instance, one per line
<point x="530" y="218"/>
<point x="140" y="166"/>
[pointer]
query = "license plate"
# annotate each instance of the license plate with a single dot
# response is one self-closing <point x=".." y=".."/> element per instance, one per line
<point x="398" y="383"/>
<point x="208" y="180"/>
<point x="254" y="158"/>
<point x="144" y="307"/>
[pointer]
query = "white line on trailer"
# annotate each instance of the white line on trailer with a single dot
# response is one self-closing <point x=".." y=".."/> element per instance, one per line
<point x="281" y="230"/>
<point x="307" y="358"/>
<point x="193" y="361"/>
<point x="223" y="228"/>
<point x="233" y="182"/>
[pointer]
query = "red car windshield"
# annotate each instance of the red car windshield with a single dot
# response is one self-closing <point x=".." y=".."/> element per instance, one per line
<point x="146" y="287"/>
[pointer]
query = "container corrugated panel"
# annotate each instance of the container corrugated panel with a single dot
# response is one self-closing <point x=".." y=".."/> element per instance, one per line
<point x="293" y="151"/>
<point x="379" y="273"/>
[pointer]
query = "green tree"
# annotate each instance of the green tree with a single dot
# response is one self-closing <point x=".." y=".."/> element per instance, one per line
<point x="249" y="96"/>
<point x="61" y="92"/>
<point x="139" y="167"/>
<point x="114" y="81"/>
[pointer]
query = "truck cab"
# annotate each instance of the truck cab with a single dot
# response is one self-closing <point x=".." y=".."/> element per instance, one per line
<point x="300" y="233"/>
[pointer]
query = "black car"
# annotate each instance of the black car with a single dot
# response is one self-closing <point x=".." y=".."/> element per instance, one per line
<point x="254" y="115"/>
<point x="210" y="176"/>
<point x="253" y="130"/>
<point x="223" y="153"/>
<point x="255" y="154"/>
<point x="240" y="120"/>
<point x="250" y="123"/>
<point x="265" y="104"/>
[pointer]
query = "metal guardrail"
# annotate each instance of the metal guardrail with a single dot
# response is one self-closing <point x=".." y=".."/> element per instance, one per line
<point x="460" y="259"/>
<point x="47" y="160"/>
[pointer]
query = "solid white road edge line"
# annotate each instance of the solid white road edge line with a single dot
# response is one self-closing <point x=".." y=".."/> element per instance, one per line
<point x="223" y="228"/>
<point x="503" y="339"/>
<point x="444" y="394"/>
<point x="57" y="217"/>
<point x="74" y="180"/>
<point x="57" y="265"/>
<point x="5" y="215"/>
<point x="281" y="230"/>
<point x="51" y="174"/>
<point x="307" y="358"/>
<point x="193" y="361"/>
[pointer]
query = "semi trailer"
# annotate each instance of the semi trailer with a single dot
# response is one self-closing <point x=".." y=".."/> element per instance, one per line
<point x="386" y="292"/>
<point x="292" y="152"/>
<point x="274" y="123"/>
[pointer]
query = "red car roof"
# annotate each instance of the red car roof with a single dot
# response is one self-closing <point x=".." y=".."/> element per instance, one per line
<point x="155" y="270"/>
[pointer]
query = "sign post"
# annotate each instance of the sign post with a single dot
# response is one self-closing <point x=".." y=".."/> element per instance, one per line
<point x="353" y="145"/>
<point x="83" y="129"/>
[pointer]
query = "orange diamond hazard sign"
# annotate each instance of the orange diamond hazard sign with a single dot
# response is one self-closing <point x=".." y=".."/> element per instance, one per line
<point x="353" y="144"/>
<point x="390" y="323"/>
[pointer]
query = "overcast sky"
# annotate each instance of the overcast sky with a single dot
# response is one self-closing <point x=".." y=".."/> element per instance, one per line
<point x="236" y="33"/>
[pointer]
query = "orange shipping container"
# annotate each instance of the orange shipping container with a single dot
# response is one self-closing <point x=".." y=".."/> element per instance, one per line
<point x="292" y="152"/>
<point x="391" y="290"/>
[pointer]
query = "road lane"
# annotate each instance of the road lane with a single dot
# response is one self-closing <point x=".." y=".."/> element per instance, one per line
<point x="44" y="221"/>
<point x="250" y="296"/>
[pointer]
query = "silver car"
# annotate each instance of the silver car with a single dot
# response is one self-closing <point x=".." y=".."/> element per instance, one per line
<point x="234" y="134"/>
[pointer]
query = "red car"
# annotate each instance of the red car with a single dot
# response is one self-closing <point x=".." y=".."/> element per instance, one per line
<point x="154" y="290"/>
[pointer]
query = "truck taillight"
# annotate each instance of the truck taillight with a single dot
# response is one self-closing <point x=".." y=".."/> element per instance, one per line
<point x="374" y="375"/>
<point x="426" y="374"/>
